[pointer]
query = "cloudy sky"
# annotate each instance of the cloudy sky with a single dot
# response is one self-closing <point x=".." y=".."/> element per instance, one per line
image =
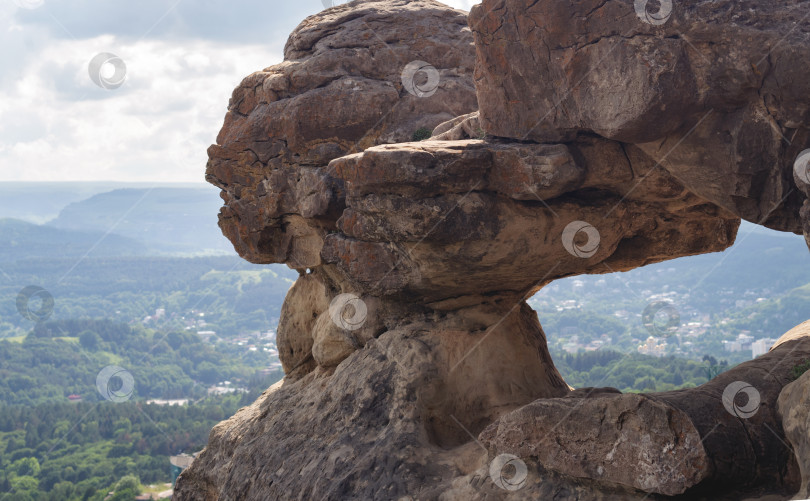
<point x="183" y="58"/>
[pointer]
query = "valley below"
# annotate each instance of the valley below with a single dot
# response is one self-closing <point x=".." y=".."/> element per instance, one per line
<point x="197" y="334"/>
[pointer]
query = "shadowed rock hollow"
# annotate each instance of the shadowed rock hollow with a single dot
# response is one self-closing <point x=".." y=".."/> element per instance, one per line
<point x="414" y="367"/>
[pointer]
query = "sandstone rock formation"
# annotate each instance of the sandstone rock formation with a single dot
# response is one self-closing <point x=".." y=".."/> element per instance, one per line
<point x="717" y="436"/>
<point x="794" y="408"/>
<point x="339" y="90"/>
<point x="414" y="366"/>
<point x="706" y="84"/>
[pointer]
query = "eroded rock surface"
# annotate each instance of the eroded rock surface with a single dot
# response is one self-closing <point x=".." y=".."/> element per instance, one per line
<point x="440" y="220"/>
<point x="707" y="441"/>
<point x="339" y="90"/>
<point x="599" y="437"/>
<point x="415" y="369"/>
<point x="695" y="84"/>
<point x="794" y="407"/>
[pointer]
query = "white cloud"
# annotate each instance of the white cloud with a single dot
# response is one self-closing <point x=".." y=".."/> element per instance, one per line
<point x="57" y="125"/>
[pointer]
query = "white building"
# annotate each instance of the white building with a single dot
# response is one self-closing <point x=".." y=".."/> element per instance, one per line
<point x="761" y="346"/>
<point x="653" y="346"/>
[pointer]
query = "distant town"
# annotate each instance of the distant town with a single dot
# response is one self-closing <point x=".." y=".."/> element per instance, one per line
<point x="593" y="313"/>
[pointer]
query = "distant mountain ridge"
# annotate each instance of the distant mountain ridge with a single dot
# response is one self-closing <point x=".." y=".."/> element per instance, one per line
<point x="137" y="219"/>
<point x="22" y="240"/>
<point x="175" y="221"/>
<point x="163" y="220"/>
<point x="40" y="202"/>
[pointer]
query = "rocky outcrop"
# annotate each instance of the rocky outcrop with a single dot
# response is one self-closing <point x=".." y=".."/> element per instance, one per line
<point x="414" y="366"/>
<point x="794" y="408"/>
<point x="598" y="438"/>
<point x="392" y="421"/>
<point x="694" y="84"/>
<point x="449" y="222"/>
<point x="707" y="441"/>
<point x="353" y="76"/>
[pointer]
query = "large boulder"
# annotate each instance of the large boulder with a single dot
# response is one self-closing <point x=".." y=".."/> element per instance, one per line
<point x="711" y="90"/>
<point x="631" y="439"/>
<point x="720" y="440"/>
<point x="450" y="221"/>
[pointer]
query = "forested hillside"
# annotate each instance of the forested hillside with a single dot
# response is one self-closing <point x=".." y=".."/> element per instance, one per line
<point x="233" y="295"/>
<point x="81" y="451"/>
<point x="66" y="432"/>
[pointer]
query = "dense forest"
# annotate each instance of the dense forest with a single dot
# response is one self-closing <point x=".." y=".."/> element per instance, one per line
<point x="634" y="372"/>
<point x="83" y="451"/>
<point x="52" y="448"/>
<point x="64" y="358"/>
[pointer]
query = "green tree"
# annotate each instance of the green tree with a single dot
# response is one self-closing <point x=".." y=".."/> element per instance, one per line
<point x="24" y="484"/>
<point x="646" y="383"/>
<point x="26" y="467"/>
<point x="89" y="340"/>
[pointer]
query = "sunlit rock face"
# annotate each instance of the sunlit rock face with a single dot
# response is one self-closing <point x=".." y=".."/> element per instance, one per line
<point x="414" y="367"/>
<point x="794" y="408"/>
